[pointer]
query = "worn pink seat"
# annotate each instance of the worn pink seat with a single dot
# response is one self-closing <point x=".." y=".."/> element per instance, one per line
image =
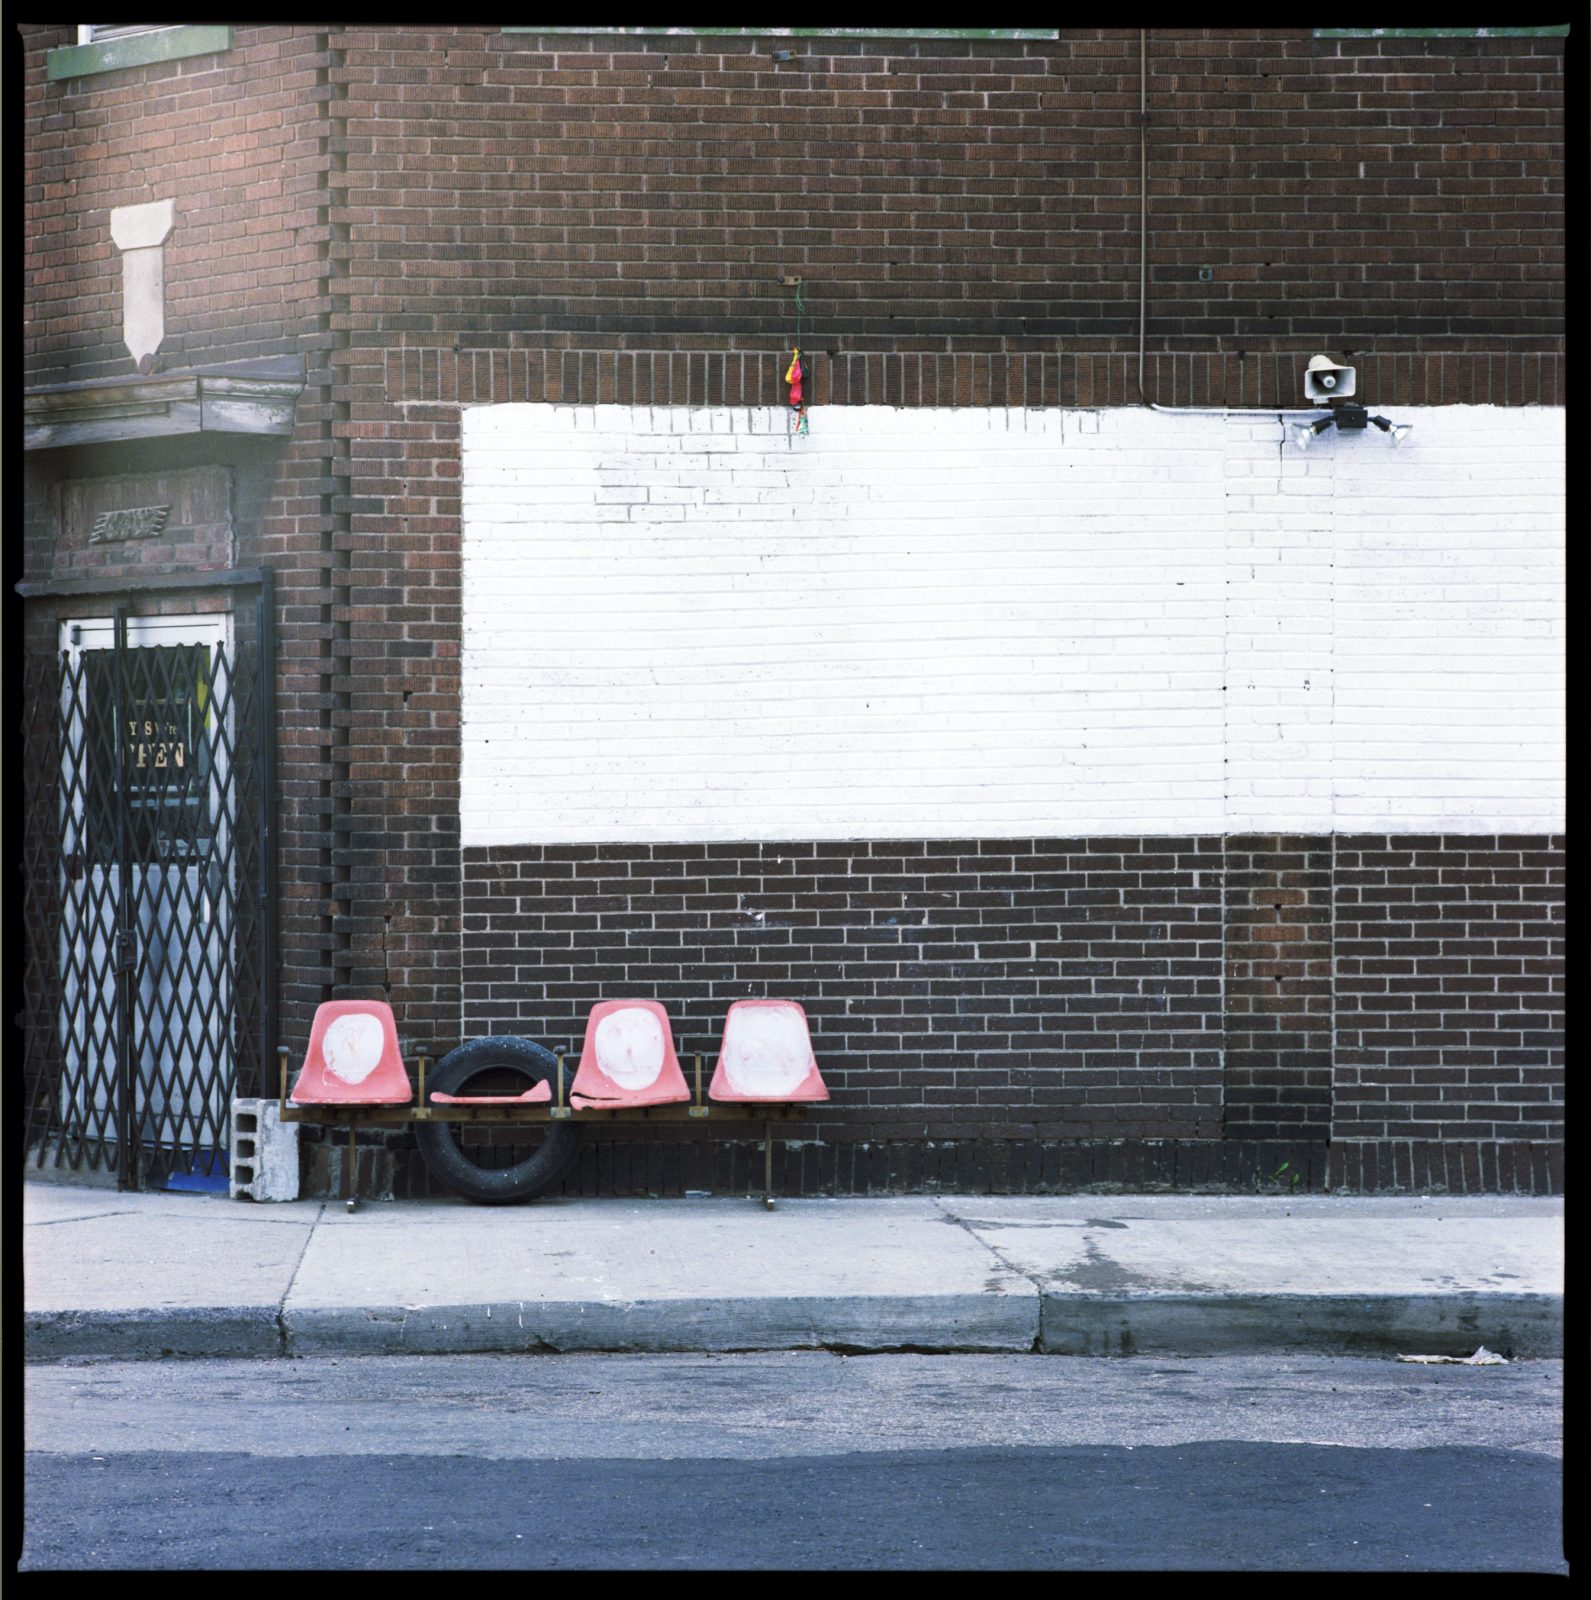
<point x="767" y="1055"/>
<point x="539" y="1095"/>
<point x="628" y="1059"/>
<point x="353" y="1058"/>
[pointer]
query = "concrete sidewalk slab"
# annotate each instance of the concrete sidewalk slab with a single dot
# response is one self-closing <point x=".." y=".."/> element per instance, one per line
<point x="149" y="1274"/>
<point x="1227" y="1274"/>
<point x="112" y="1274"/>
<point x="657" y="1275"/>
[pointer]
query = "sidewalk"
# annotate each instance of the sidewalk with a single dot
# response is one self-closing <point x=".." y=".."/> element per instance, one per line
<point x="140" y="1275"/>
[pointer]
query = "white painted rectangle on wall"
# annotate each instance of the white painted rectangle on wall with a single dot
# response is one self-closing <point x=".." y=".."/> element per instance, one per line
<point x="682" y="624"/>
<point x="1450" y="622"/>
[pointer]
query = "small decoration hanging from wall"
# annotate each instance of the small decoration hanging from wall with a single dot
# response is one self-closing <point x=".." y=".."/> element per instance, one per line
<point x="797" y="403"/>
<point x="796" y="371"/>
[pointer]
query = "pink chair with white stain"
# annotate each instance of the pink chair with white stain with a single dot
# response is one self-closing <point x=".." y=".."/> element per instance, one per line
<point x="628" y="1059"/>
<point x="353" y="1058"/>
<point x="767" y="1055"/>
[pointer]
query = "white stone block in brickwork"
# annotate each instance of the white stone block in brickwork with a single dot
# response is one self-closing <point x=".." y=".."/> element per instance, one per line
<point x="139" y="232"/>
<point x="264" y="1152"/>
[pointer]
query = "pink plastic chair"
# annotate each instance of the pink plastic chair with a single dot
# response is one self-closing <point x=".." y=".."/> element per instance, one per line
<point x="767" y="1055"/>
<point x="353" y="1058"/>
<point x="628" y="1059"/>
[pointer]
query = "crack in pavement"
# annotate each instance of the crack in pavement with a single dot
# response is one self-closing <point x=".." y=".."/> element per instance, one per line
<point x="281" y="1308"/>
<point x="93" y="1216"/>
<point x="1008" y="1265"/>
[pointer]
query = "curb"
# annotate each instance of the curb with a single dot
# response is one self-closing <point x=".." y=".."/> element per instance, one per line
<point x="1517" y="1325"/>
<point x="946" y="1324"/>
<point x="150" y="1335"/>
<point x="1336" y="1324"/>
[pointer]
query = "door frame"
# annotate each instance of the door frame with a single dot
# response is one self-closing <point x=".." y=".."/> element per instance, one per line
<point x="49" y="1141"/>
<point x="140" y="921"/>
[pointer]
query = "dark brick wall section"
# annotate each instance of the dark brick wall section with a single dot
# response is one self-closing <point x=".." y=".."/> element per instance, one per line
<point x="1027" y="1166"/>
<point x="1278" y="987"/>
<point x="487" y="192"/>
<point x="803" y="1166"/>
<point x="1058" y="377"/>
<point x="1046" y="1016"/>
<point x="357" y="514"/>
<point x="661" y="1162"/>
<point x="1463" y="1166"/>
<point x="1050" y="988"/>
<point x="197" y="531"/>
<point x="1450" y="977"/>
<point x="237" y="140"/>
<point x="933" y="192"/>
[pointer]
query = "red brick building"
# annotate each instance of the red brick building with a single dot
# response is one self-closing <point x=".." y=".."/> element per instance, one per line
<point x="276" y="273"/>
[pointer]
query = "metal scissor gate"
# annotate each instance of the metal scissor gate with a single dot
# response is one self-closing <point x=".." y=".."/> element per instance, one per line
<point x="148" y="893"/>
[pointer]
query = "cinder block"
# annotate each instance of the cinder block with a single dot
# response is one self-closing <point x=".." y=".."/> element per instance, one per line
<point x="264" y="1152"/>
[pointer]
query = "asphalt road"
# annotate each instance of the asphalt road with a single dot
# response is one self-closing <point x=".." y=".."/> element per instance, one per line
<point x="794" y="1461"/>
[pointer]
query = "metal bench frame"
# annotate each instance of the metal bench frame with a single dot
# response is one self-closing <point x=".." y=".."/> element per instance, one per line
<point x="697" y="1109"/>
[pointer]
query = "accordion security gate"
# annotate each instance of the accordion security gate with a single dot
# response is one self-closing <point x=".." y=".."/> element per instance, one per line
<point x="148" y="865"/>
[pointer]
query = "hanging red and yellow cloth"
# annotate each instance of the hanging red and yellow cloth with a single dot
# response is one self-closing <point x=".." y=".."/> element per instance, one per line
<point x="793" y="376"/>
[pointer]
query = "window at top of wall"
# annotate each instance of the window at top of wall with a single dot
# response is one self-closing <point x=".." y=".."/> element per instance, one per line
<point x="1442" y="33"/>
<point x="111" y="46"/>
<point x="88" y="32"/>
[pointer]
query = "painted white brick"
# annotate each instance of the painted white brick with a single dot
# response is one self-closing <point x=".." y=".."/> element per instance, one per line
<point x="682" y="624"/>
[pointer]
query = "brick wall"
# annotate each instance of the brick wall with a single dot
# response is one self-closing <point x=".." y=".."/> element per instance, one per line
<point x="420" y="375"/>
<point x="236" y="140"/>
<point x="490" y="191"/>
<point x="677" y="621"/>
<point x="1039" y="1014"/>
<point x="1278" y="991"/>
<point x="1450" y="987"/>
<point x="601" y="191"/>
<point x="1070" y="984"/>
<point x="248" y="144"/>
<point x="437" y="217"/>
<point x="964" y="216"/>
<point x="1447" y="651"/>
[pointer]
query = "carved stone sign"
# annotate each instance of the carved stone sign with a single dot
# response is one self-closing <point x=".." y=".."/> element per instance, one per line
<point x="139" y="232"/>
<point x="142" y="522"/>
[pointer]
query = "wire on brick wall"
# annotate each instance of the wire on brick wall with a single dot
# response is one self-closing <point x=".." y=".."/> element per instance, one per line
<point x="1143" y="264"/>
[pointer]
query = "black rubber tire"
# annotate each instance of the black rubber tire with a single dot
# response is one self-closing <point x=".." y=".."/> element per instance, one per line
<point x="439" y="1142"/>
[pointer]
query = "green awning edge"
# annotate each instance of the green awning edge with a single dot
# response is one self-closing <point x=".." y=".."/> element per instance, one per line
<point x="137" y="50"/>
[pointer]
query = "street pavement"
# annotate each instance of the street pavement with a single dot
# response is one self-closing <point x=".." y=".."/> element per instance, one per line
<point x="147" y="1275"/>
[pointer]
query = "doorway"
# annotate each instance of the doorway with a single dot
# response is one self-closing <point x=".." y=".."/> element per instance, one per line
<point x="153" y="908"/>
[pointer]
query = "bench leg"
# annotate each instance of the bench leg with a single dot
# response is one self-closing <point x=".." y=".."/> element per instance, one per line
<point x="350" y="1168"/>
